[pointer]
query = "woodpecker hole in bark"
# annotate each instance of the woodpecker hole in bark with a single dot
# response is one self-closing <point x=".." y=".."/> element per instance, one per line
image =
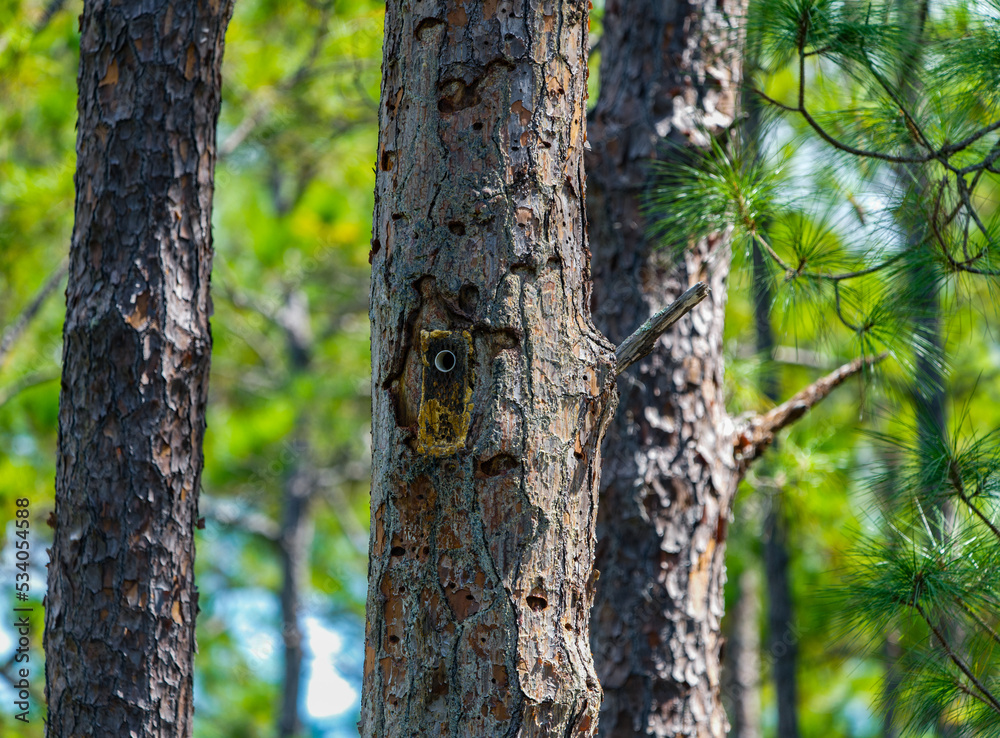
<point x="537" y="602"/>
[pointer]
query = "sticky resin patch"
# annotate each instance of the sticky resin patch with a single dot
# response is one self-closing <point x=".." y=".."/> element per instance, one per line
<point x="446" y="392"/>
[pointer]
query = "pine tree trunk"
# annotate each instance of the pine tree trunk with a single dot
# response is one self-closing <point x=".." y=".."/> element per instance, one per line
<point x="294" y="540"/>
<point x="741" y="670"/>
<point x="782" y="640"/>
<point x="669" y="473"/>
<point x="295" y="535"/>
<point x="491" y="387"/>
<point x="121" y="603"/>
<point x="929" y="381"/>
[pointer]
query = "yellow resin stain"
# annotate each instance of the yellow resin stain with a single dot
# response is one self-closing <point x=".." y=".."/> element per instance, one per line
<point x="445" y="398"/>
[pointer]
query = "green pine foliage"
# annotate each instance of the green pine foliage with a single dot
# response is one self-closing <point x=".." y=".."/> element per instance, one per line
<point x="876" y="158"/>
<point x="929" y="572"/>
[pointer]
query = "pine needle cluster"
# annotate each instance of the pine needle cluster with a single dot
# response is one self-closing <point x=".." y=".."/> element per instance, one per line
<point x="861" y="186"/>
<point x="930" y="576"/>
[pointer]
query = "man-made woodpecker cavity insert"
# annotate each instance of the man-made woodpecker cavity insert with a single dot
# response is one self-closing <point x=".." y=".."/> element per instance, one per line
<point x="445" y="361"/>
<point x="446" y="392"/>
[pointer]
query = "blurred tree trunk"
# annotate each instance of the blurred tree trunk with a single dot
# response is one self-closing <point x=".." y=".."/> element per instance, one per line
<point x="782" y="640"/>
<point x="928" y="378"/>
<point x="741" y="670"/>
<point x="929" y="390"/>
<point x="491" y="387"/>
<point x="295" y="534"/>
<point x="668" y="69"/>
<point x="121" y="603"/>
<point x="295" y="538"/>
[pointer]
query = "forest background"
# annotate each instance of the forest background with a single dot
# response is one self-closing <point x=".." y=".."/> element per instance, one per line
<point x="288" y="414"/>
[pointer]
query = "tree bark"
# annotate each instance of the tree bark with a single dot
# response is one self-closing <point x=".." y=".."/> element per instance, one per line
<point x="491" y="387"/>
<point x="121" y="603"/>
<point x="668" y="69"/>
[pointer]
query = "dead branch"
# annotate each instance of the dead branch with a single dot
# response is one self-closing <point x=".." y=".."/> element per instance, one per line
<point x="640" y="343"/>
<point x="15" y="329"/>
<point x="25" y="383"/>
<point x="755" y="435"/>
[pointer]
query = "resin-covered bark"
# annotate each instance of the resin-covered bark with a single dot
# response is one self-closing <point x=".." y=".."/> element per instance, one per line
<point x="491" y="386"/>
<point x="121" y="602"/>
<point x="669" y="69"/>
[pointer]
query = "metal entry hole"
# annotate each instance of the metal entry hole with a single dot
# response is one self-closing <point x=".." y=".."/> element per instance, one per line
<point x="445" y="361"/>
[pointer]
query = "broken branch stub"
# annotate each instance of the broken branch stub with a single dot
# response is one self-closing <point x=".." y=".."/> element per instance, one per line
<point x="641" y="342"/>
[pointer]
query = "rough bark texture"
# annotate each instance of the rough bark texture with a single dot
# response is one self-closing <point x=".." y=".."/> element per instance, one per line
<point x="491" y="387"/>
<point x="667" y="67"/>
<point x="121" y="604"/>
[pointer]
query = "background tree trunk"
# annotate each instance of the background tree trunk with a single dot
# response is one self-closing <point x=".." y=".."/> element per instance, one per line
<point x="782" y="639"/>
<point x="295" y="538"/>
<point x="295" y="535"/>
<point x="669" y="474"/>
<point x="741" y="667"/>
<point x="491" y="387"/>
<point x="929" y="398"/>
<point x="121" y="603"/>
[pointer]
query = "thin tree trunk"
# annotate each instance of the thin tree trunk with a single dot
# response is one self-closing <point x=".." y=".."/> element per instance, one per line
<point x="296" y="533"/>
<point x="782" y="640"/>
<point x="491" y="387"/>
<point x="666" y="68"/>
<point x="294" y="542"/>
<point x="742" y="661"/>
<point x="929" y="395"/>
<point x="929" y="381"/>
<point x="121" y="603"/>
<point x="929" y="390"/>
<point x="891" y="653"/>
